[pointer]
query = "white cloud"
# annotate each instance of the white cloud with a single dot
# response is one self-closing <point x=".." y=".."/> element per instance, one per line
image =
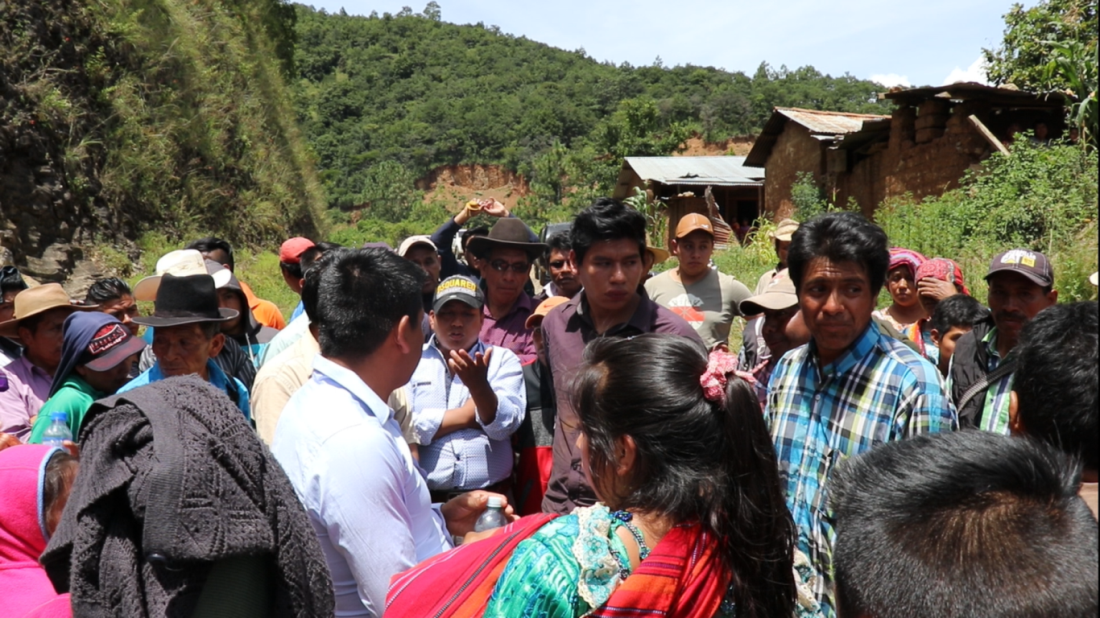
<point x="891" y="79"/>
<point x="973" y="73"/>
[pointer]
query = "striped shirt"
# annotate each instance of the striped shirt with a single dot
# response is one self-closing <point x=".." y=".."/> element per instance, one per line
<point x="467" y="458"/>
<point x="995" y="409"/>
<point x="878" y="391"/>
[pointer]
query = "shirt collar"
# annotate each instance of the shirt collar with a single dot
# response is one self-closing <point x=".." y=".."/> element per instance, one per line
<point x="78" y="383"/>
<point x="990" y="341"/>
<point x="524" y="303"/>
<point x="639" y="320"/>
<point x="215" y="375"/>
<point x="347" y="380"/>
<point x="851" y="357"/>
<point x="31" y="368"/>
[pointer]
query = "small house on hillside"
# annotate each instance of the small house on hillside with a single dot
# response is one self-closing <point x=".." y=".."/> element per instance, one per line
<point x="932" y="137"/>
<point x="797" y="140"/>
<point x="680" y="182"/>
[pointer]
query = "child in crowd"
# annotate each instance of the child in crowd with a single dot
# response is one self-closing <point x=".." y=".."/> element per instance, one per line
<point x="953" y="318"/>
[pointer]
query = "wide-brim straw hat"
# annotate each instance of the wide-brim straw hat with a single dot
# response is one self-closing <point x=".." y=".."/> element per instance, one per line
<point x="38" y="300"/>
<point x="190" y="299"/>
<point x="183" y="262"/>
<point x="508" y="233"/>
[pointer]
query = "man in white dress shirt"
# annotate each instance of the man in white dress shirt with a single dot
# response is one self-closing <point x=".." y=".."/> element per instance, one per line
<point x="342" y="449"/>
<point x="467" y="398"/>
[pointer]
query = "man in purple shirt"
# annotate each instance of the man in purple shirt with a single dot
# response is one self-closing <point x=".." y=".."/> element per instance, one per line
<point x="505" y="256"/>
<point x="38" y="321"/>
<point x="609" y="251"/>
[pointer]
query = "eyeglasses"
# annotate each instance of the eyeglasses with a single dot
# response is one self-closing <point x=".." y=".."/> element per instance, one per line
<point x="501" y="266"/>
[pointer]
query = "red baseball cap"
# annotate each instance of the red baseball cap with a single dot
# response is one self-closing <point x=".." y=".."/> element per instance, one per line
<point x="291" y="250"/>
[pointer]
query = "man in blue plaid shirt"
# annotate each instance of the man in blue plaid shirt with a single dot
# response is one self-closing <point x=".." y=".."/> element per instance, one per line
<point x="851" y="387"/>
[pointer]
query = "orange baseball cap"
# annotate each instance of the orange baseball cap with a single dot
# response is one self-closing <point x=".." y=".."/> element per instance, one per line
<point x="544" y="307"/>
<point x="692" y="222"/>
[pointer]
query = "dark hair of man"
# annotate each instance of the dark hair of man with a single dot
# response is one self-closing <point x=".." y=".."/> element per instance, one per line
<point x="558" y="242"/>
<point x="107" y="290"/>
<point x="11" y="280"/>
<point x="606" y="219"/>
<point x="312" y="282"/>
<point x="960" y="311"/>
<point x="1056" y="380"/>
<point x="696" y="460"/>
<point x="840" y="237"/>
<point x="480" y="230"/>
<point x="210" y="243"/>
<point x="362" y="296"/>
<point x="966" y="523"/>
<point x="294" y="270"/>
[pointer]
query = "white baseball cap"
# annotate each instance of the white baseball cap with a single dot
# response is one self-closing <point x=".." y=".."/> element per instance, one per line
<point x="413" y="241"/>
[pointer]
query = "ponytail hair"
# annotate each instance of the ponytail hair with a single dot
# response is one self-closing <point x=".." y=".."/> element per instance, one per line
<point x="698" y="459"/>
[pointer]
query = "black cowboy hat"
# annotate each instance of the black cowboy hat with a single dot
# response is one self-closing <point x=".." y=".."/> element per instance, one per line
<point x="189" y="299"/>
<point x="508" y="233"/>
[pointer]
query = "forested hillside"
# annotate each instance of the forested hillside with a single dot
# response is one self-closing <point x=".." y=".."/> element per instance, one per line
<point x="409" y="89"/>
<point x="119" y="117"/>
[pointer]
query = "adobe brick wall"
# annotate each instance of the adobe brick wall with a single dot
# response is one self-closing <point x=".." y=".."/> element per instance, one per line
<point x="927" y="153"/>
<point x="795" y="151"/>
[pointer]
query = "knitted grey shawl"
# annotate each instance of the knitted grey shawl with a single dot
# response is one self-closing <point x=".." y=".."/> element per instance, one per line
<point x="173" y="479"/>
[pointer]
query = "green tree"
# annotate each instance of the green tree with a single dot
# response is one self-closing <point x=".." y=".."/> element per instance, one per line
<point x="1030" y="39"/>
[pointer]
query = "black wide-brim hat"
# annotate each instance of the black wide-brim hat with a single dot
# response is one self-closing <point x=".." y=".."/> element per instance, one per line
<point x="190" y="299"/>
<point x="508" y="233"/>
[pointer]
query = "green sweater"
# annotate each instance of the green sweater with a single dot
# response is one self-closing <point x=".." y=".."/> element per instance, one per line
<point x="73" y="398"/>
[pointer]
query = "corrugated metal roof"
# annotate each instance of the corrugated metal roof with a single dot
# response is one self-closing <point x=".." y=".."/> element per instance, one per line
<point x="717" y="171"/>
<point x="822" y="125"/>
<point x="829" y="123"/>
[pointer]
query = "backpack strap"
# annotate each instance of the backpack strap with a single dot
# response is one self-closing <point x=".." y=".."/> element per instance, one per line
<point x="1002" y="370"/>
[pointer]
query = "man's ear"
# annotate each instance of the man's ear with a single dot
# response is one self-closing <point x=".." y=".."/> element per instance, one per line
<point x="216" y="345"/>
<point x="673" y="248"/>
<point x="648" y="259"/>
<point x="1053" y="297"/>
<point x="935" y="337"/>
<point x="402" y="332"/>
<point x="1014" y="423"/>
<point x="572" y="257"/>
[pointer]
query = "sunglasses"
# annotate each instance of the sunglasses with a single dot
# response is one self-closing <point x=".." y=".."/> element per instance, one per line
<point x="517" y="267"/>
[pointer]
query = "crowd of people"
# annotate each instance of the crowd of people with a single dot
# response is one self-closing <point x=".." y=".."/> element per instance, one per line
<point x="935" y="456"/>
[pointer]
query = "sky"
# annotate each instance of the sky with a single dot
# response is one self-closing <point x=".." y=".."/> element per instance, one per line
<point x="933" y="42"/>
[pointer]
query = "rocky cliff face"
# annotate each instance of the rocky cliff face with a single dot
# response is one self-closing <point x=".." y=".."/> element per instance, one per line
<point x="49" y="206"/>
<point x="167" y="115"/>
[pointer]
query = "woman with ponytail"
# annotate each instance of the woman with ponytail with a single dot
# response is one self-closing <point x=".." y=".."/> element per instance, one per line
<point x="691" y="521"/>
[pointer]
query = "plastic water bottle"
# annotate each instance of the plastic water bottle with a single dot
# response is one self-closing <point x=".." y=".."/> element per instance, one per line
<point x="58" y="431"/>
<point x="493" y="517"/>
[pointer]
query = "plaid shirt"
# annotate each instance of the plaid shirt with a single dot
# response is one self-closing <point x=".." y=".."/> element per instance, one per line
<point x="879" y="390"/>
<point x="995" y="409"/>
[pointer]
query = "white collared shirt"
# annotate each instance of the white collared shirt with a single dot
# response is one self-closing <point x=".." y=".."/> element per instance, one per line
<point x="344" y="454"/>
<point x="467" y="458"/>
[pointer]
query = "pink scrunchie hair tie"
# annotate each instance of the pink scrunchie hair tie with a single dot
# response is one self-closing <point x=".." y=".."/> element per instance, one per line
<point x="719" y="365"/>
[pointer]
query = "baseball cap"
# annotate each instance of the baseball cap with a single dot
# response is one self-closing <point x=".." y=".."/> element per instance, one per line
<point x="779" y="294"/>
<point x="110" y="345"/>
<point x="413" y="241"/>
<point x="693" y="222"/>
<point x="544" y="307"/>
<point x="1031" y="264"/>
<point x="290" y="252"/>
<point x="181" y="263"/>
<point x="785" y="230"/>
<point x="458" y="288"/>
